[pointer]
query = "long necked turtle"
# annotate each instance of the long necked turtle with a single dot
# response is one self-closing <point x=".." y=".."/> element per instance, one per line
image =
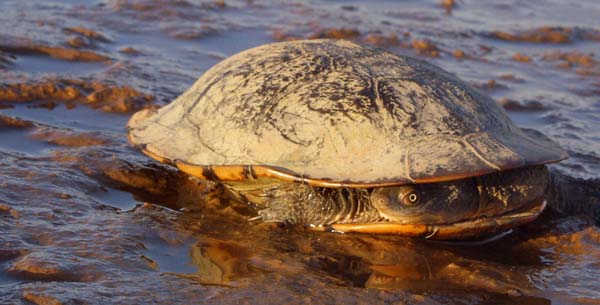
<point x="343" y="137"/>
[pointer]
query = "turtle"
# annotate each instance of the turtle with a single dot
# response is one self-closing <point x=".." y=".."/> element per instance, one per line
<point x="337" y="136"/>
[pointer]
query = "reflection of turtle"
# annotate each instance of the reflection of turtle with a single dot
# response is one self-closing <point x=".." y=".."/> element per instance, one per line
<point x="386" y="262"/>
<point x="343" y="137"/>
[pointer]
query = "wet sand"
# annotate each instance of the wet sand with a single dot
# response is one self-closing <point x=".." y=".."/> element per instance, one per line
<point x="87" y="219"/>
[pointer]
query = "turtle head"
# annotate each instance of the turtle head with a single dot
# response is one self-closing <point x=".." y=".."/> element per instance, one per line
<point x="460" y="208"/>
<point x="432" y="203"/>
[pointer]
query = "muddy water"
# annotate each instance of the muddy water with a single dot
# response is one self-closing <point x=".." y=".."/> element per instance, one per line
<point x="85" y="219"/>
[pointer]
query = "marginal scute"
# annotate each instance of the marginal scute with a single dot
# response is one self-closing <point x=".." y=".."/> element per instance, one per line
<point x="493" y="151"/>
<point x="426" y="163"/>
<point x="536" y="150"/>
<point x="333" y="113"/>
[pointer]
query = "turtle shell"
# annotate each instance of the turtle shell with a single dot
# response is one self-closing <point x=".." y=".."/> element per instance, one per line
<point x="333" y="113"/>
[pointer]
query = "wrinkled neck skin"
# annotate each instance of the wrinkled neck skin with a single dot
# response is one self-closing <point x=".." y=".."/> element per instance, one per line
<point x="314" y="206"/>
<point x="570" y="195"/>
<point x="308" y="205"/>
<point x="433" y="203"/>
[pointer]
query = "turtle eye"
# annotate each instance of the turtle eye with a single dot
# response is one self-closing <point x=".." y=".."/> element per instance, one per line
<point x="410" y="198"/>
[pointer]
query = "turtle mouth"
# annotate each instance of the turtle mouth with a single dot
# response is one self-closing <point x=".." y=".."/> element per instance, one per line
<point x="459" y="230"/>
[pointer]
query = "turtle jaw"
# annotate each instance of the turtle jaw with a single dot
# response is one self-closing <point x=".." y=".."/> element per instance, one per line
<point x="460" y="230"/>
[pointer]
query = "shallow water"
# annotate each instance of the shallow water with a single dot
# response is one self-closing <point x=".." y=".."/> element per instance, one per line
<point x="86" y="219"/>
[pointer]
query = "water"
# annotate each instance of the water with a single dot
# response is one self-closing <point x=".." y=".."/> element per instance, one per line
<point x="85" y="218"/>
<point x="38" y="64"/>
<point x="20" y="141"/>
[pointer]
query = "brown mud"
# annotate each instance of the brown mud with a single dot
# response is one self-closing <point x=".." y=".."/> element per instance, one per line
<point x="95" y="94"/>
<point x="548" y="35"/>
<point x="25" y="46"/>
<point x="87" y="219"/>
